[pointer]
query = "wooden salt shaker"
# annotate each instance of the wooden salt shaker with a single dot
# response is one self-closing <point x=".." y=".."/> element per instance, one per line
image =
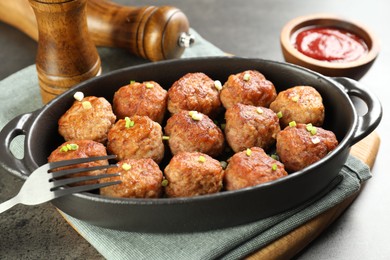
<point x="66" y="54"/>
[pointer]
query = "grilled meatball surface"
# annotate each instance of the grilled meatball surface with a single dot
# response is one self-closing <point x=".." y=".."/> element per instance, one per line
<point x="300" y="146"/>
<point x="302" y="104"/>
<point x="193" y="174"/>
<point x="91" y="118"/>
<point x="80" y="149"/>
<point x="136" y="137"/>
<point x="248" y="87"/>
<point x="251" y="167"/>
<point x="194" y="91"/>
<point x="141" y="178"/>
<point x="191" y="131"/>
<point x="248" y="126"/>
<point x="143" y="99"/>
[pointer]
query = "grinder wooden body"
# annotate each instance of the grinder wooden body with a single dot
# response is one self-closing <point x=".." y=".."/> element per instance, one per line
<point x="66" y="54"/>
<point x="154" y="33"/>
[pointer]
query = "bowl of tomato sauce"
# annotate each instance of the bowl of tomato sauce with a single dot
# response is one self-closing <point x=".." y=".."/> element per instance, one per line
<point x="330" y="45"/>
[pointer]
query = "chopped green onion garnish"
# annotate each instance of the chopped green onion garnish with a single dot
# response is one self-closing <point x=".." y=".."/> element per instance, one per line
<point x="64" y="149"/>
<point x="223" y="126"/>
<point x="218" y="85"/>
<point x="86" y="105"/>
<point x="164" y="183"/>
<point x="223" y="164"/>
<point x="128" y="122"/>
<point x="195" y="115"/>
<point x="279" y="114"/>
<point x="248" y="152"/>
<point x="126" y="166"/>
<point x="275" y="157"/>
<point x="295" y="98"/>
<point x="69" y="147"/>
<point x="315" y="140"/>
<point x="132" y="82"/>
<point x="149" y="85"/>
<point x="247" y="76"/>
<point x="292" y="124"/>
<point x="201" y="159"/>
<point x="78" y="95"/>
<point x="274" y="167"/>
<point x="165" y="137"/>
<point x="259" y="110"/>
<point x="312" y="129"/>
<point x="72" y="147"/>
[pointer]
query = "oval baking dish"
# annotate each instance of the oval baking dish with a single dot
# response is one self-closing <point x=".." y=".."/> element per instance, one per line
<point x="224" y="209"/>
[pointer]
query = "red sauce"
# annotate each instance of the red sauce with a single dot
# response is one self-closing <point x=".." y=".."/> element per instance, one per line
<point x="330" y="44"/>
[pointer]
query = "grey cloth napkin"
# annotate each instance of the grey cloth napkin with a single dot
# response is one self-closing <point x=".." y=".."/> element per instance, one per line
<point x="230" y="243"/>
<point x="19" y="93"/>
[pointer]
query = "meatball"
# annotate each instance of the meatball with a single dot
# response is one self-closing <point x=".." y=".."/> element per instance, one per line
<point x="249" y="87"/>
<point x="141" y="178"/>
<point x="302" y="145"/>
<point x="194" y="91"/>
<point x="248" y="126"/>
<point x="191" y="131"/>
<point x="135" y="138"/>
<point x="193" y="174"/>
<point x="302" y="104"/>
<point x="143" y="99"/>
<point x="91" y="118"/>
<point x="80" y="149"/>
<point x="251" y="167"/>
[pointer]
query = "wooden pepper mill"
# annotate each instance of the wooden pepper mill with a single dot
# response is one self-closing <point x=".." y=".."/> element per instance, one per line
<point x="154" y="33"/>
<point x="66" y="54"/>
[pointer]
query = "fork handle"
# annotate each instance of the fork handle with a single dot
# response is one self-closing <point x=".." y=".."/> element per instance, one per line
<point x="18" y="126"/>
<point x="6" y="205"/>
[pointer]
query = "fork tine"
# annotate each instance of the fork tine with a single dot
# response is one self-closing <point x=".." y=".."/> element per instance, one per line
<point x="89" y="187"/>
<point x="58" y="164"/>
<point x="58" y="183"/>
<point x="58" y="174"/>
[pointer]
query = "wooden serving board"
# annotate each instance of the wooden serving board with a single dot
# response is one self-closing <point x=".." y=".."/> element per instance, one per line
<point x="288" y="246"/>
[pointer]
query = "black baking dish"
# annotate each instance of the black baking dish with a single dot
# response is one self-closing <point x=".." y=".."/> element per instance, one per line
<point x="224" y="209"/>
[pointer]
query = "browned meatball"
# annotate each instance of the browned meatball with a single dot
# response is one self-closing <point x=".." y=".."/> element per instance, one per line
<point x="80" y="149"/>
<point x="302" y="104"/>
<point x="135" y="138"/>
<point x="302" y="145"/>
<point x="191" y="131"/>
<point x="194" y="91"/>
<point x="248" y="126"/>
<point x="141" y="178"/>
<point x="251" y="167"/>
<point x="143" y="99"/>
<point x="249" y="87"/>
<point x="193" y="174"/>
<point x="90" y="118"/>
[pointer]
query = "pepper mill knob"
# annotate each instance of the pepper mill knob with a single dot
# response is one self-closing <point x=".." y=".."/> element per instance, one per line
<point x="66" y="54"/>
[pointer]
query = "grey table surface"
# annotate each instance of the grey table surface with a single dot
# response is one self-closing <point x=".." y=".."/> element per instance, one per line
<point x="248" y="28"/>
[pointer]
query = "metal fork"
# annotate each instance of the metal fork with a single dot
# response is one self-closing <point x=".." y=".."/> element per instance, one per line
<point x="42" y="185"/>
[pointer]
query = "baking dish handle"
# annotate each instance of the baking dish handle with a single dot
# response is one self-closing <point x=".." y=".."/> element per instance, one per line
<point x="17" y="126"/>
<point x="371" y="119"/>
